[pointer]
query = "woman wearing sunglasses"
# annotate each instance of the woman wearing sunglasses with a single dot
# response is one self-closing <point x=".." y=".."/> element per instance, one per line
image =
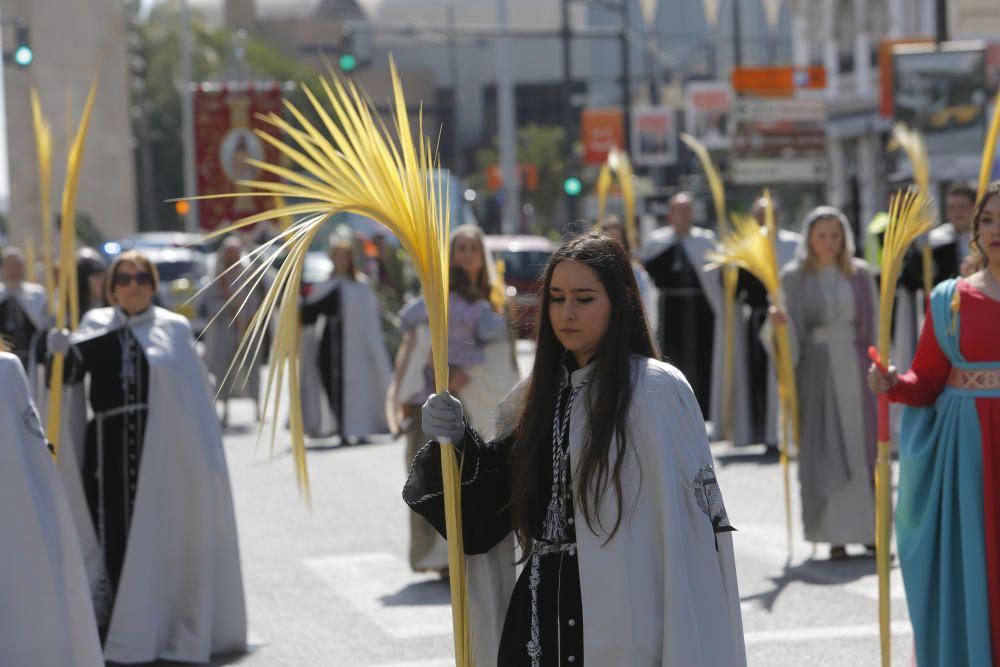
<point x="150" y="468"/>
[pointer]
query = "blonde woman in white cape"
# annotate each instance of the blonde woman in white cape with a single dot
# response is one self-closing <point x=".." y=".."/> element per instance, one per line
<point x="147" y="480"/>
<point x="46" y="617"/>
<point x="602" y="472"/>
<point x="483" y="369"/>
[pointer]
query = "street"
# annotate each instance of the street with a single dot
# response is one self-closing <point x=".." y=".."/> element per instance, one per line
<point x="332" y="586"/>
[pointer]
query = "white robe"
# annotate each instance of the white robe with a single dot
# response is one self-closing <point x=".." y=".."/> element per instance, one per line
<point x="366" y="368"/>
<point x="659" y="592"/>
<point x="180" y="596"/>
<point x="46" y="616"/>
<point x="697" y="245"/>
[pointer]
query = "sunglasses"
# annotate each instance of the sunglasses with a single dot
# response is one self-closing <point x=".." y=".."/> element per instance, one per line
<point x="125" y="279"/>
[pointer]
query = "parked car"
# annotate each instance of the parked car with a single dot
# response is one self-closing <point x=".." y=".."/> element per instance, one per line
<point x="183" y="273"/>
<point x="522" y="258"/>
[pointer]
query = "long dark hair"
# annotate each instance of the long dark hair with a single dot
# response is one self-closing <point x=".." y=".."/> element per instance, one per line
<point x="609" y="399"/>
<point x="976" y="260"/>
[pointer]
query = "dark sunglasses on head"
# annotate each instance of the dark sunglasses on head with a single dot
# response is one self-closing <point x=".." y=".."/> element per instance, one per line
<point x="125" y="279"/>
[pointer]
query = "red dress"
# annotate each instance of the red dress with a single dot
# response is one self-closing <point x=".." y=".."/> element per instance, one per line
<point x="979" y="341"/>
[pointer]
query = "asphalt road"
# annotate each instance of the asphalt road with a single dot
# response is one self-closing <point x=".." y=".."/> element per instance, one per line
<point x="330" y="585"/>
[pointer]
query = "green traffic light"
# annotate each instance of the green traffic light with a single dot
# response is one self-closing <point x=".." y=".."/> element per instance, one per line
<point x="572" y="186"/>
<point x="23" y="55"/>
<point x="348" y="62"/>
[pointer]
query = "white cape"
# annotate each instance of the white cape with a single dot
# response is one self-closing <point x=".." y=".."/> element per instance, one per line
<point x="660" y="592"/>
<point x="365" y="360"/>
<point x="180" y="596"/>
<point x="46" y="616"/>
<point x="697" y="245"/>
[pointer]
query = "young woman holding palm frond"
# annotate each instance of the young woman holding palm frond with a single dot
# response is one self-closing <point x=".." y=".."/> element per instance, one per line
<point x="948" y="513"/>
<point x="601" y="471"/>
<point x="831" y="312"/>
<point x="481" y="376"/>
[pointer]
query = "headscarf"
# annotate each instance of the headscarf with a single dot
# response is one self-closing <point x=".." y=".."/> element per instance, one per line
<point x="825" y="213"/>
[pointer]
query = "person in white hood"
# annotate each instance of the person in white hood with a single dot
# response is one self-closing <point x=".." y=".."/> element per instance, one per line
<point x="602" y="474"/>
<point x="46" y="617"/>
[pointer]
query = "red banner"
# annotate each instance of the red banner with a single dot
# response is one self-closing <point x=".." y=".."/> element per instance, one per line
<point x="224" y="124"/>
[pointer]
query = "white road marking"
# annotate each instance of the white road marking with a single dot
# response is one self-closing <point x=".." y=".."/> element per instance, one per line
<point x="824" y="632"/>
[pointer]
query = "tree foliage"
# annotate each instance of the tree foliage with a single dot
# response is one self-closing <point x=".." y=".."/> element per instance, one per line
<point x="541" y="146"/>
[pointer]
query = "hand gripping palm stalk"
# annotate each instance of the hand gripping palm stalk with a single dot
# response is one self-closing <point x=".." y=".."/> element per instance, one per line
<point x="618" y="164"/>
<point x="912" y="143"/>
<point x="910" y="215"/>
<point x="754" y="249"/>
<point x="348" y="159"/>
<point x="730" y="276"/>
<point x="67" y="262"/>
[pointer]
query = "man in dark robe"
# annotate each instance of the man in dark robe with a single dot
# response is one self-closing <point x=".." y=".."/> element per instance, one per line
<point x="674" y="258"/>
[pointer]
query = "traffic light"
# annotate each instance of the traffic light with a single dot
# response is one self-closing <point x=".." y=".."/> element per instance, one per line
<point x="572" y="186"/>
<point x="348" y="62"/>
<point x="22" y="55"/>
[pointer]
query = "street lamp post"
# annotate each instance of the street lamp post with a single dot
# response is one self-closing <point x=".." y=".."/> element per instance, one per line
<point x="187" y="116"/>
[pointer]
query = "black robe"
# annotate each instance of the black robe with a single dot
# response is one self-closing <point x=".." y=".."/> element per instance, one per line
<point x="686" y="320"/>
<point x="486" y="521"/>
<point x="119" y="387"/>
<point x="752" y="293"/>
<point x="18" y="332"/>
<point x="331" y="347"/>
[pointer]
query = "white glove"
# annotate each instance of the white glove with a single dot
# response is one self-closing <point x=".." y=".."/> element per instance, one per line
<point x="443" y="417"/>
<point x="57" y="341"/>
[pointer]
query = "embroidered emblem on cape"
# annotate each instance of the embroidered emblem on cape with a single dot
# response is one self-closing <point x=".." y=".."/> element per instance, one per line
<point x="708" y="495"/>
<point x="32" y="422"/>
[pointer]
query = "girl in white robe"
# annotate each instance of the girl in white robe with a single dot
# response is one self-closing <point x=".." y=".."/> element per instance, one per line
<point x="46" y="617"/>
<point x="602" y="472"/>
<point x="481" y="381"/>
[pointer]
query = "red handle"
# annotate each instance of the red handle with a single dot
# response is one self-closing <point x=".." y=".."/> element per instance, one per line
<point x="883" y="399"/>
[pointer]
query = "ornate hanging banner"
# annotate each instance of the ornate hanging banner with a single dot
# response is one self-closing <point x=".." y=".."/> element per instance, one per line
<point x="225" y="121"/>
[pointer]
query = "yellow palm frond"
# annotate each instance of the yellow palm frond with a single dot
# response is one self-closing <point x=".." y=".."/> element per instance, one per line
<point x="714" y="179"/>
<point x="348" y="159"/>
<point x="67" y="259"/>
<point x="748" y="247"/>
<point x="753" y="248"/>
<point x="910" y="215"/>
<point x="43" y="149"/>
<point x="620" y="166"/>
<point x="912" y="143"/>
<point x="603" y="188"/>
<point x="989" y="149"/>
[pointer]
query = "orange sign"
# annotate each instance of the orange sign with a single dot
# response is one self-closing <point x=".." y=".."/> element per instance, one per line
<point x="777" y="81"/>
<point x="885" y="48"/>
<point x="527" y="173"/>
<point x="600" y="130"/>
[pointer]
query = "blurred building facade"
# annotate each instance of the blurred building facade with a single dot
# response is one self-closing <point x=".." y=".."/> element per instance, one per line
<point x="446" y="53"/>
<point x="72" y="42"/>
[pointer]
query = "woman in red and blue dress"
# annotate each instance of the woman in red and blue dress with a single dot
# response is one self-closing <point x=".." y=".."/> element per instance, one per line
<point x="948" y="513"/>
